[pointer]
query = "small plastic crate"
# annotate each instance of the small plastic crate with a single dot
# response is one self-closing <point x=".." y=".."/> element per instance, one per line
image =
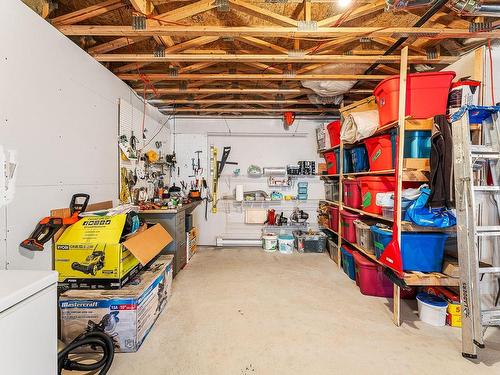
<point x="332" y="191"/>
<point x="364" y="236"/>
<point x="333" y="250"/>
<point x="359" y="158"/>
<point x="310" y="242"/>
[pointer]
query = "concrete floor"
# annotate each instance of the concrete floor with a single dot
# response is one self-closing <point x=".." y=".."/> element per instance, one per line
<point x="243" y="311"/>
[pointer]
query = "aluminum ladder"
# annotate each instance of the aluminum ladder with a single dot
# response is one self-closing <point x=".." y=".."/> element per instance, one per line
<point x="471" y="164"/>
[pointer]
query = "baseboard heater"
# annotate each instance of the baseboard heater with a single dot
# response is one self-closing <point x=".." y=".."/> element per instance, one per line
<point x="221" y="241"/>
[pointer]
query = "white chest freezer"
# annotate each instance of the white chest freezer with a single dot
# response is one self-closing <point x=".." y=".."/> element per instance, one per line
<point x="28" y="322"/>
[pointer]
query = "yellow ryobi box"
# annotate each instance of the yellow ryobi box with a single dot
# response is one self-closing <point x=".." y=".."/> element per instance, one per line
<point x="89" y="254"/>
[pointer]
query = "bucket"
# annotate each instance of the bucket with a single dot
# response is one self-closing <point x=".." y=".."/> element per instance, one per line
<point x="348" y="229"/>
<point x="370" y="187"/>
<point x="380" y="152"/>
<point x="422" y="252"/>
<point x="352" y="193"/>
<point x="426" y="93"/>
<point x="432" y="309"/>
<point x="285" y="243"/>
<point x="270" y="242"/>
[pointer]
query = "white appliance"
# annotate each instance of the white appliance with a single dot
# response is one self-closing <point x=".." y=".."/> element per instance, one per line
<point x="28" y="322"/>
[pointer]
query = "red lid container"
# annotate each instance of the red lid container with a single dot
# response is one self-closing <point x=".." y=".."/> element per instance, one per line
<point x="334" y="132"/>
<point x="352" y="193"/>
<point x="380" y="152"/>
<point x="370" y="187"/>
<point x="426" y="96"/>
<point x="348" y="229"/>
<point x="331" y="162"/>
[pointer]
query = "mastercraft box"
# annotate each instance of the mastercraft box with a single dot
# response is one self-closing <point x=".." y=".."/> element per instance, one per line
<point x="90" y="253"/>
<point x="127" y="314"/>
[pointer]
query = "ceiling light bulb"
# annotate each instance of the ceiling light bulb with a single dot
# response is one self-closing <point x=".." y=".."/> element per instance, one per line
<point x="344" y="3"/>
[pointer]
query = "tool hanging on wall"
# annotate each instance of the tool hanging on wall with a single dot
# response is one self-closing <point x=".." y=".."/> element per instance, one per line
<point x="216" y="168"/>
<point x="48" y="226"/>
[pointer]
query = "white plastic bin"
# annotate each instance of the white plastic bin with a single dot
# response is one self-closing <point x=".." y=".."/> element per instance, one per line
<point x="432" y="309"/>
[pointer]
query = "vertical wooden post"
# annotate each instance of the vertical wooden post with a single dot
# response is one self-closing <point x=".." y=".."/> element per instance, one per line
<point x="341" y="194"/>
<point x="403" y="73"/>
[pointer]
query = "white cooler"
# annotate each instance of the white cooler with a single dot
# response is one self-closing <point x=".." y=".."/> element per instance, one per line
<point x="28" y="322"/>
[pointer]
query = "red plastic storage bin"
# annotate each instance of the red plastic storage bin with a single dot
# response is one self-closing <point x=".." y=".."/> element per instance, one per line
<point x="380" y="152"/>
<point x="333" y="214"/>
<point x="370" y="187"/>
<point x="426" y="96"/>
<point x="352" y="193"/>
<point x="331" y="162"/>
<point x="348" y="228"/>
<point x="334" y="132"/>
<point x="371" y="279"/>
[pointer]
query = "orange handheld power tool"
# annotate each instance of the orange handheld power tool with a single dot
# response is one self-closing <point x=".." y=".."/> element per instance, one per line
<point x="48" y="226"/>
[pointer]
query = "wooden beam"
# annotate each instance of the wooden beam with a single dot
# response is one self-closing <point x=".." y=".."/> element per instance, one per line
<point x="196" y="42"/>
<point x="243" y="91"/>
<point x="144" y="6"/>
<point x="155" y="77"/>
<point x="195" y="67"/>
<point x="332" y="44"/>
<point x="262" y="13"/>
<point x="88" y="12"/>
<point x="307" y="11"/>
<point x="387" y="41"/>
<point x="284" y="59"/>
<point x="256" y="42"/>
<point x="276" y="31"/>
<point x="116" y="44"/>
<point x="182" y="12"/>
<point x="251" y="110"/>
<point x="264" y="67"/>
<point x="361" y="11"/>
<point x="229" y="101"/>
<point x="264" y="58"/>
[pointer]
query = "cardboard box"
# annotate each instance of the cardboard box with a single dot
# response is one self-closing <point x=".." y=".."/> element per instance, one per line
<point x="191" y="242"/>
<point x="89" y="254"/>
<point x="127" y="314"/>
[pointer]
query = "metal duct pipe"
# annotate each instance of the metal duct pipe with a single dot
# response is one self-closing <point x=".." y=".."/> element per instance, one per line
<point x="474" y="8"/>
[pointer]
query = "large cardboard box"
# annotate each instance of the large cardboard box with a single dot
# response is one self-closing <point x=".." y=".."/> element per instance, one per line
<point x="90" y="255"/>
<point x="127" y="314"/>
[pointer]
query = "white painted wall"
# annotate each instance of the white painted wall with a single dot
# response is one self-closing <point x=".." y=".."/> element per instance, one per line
<point x="59" y="110"/>
<point x="259" y="149"/>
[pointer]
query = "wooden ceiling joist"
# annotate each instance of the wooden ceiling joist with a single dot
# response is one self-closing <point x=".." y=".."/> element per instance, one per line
<point x="170" y="56"/>
<point x="250" y="110"/>
<point x="144" y="6"/>
<point x="361" y="11"/>
<point x="241" y="91"/>
<point x="115" y="44"/>
<point x="196" y="42"/>
<point x="87" y="13"/>
<point x="229" y="101"/>
<point x="154" y="77"/>
<point x="256" y="42"/>
<point x="195" y="67"/>
<point x="274" y="32"/>
<point x="262" y="13"/>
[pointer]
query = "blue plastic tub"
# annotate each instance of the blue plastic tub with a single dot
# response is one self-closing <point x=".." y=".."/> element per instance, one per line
<point x="348" y="262"/>
<point x="418" y="144"/>
<point x="359" y="158"/>
<point x="347" y="161"/>
<point x="422" y="252"/>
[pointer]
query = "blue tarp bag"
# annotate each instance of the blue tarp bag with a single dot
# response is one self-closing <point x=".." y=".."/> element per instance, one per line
<point x="418" y="213"/>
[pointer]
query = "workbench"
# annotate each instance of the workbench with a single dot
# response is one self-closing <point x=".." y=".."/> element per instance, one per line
<point x="174" y="222"/>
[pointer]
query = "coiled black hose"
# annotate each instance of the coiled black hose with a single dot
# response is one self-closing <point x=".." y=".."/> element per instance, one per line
<point x="96" y="340"/>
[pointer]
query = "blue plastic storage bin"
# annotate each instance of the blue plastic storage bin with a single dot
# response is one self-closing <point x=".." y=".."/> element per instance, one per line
<point x="347" y="161"/>
<point x="422" y="252"/>
<point x="348" y="262"/>
<point x="418" y="144"/>
<point x="359" y="157"/>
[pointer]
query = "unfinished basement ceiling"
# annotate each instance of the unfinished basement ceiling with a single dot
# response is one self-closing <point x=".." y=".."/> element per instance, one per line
<point x="230" y="57"/>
